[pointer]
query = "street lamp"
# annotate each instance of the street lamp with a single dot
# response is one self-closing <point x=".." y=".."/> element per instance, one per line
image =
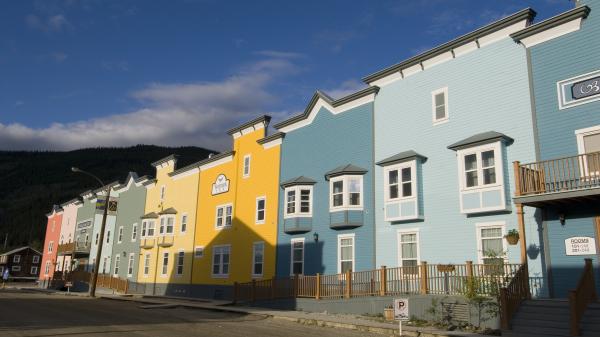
<point x="94" y="275"/>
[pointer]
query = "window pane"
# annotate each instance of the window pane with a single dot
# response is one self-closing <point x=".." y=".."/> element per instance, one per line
<point x="489" y="176"/>
<point x="440" y="112"/>
<point x="297" y="268"/>
<point x="346" y="266"/>
<point x="470" y="162"/>
<point x="409" y="250"/>
<point x="258" y="269"/>
<point x="297" y="254"/>
<point x="492" y="247"/>
<point x="304" y="201"/>
<point x="354" y="199"/>
<point x="354" y="185"/>
<point x="338" y="187"/>
<point x="407" y="189"/>
<point x="261" y="204"/>
<point x="495" y="232"/>
<point x="471" y="178"/>
<point x="439" y="99"/>
<point x="406" y="176"/>
<point x="393" y="177"/>
<point x="338" y="200"/>
<point x="487" y="158"/>
<point x="393" y="191"/>
<point x="346" y="253"/>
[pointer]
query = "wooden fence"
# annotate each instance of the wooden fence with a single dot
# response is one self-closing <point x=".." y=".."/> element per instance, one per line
<point x="579" y="298"/>
<point x="111" y="282"/>
<point x="513" y="294"/>
<point x="456" y="279"/>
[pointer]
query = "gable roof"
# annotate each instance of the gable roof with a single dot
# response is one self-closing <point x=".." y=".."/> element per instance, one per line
<point x="526" y="13"/>
<point x="301" y="180"/>
<point x="151" y="215"/>
<point x="169" y="210"/>
<point x="344" y="170"/>
<point x="164" y="160"/>
<point x="334" y="103"/>
<point x="479" y="139"/>
<point x="401" y="157"/>
<point x="18" y="250"/>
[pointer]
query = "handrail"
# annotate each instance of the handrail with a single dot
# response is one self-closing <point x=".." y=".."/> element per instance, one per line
<point x="512" y="295"/>
<point x="580" y="297"/>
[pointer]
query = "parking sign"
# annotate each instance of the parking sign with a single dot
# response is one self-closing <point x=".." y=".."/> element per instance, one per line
<point x="401" y="309"/>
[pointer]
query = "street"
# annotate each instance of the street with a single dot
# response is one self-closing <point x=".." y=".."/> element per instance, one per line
<point x="38" y="314"/>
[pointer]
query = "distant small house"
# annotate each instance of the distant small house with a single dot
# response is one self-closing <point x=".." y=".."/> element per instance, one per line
<point x="22" y="263"/>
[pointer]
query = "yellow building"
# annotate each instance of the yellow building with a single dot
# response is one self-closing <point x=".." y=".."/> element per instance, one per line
<point x="236" y="226"/>
<point x="167" y="229"/>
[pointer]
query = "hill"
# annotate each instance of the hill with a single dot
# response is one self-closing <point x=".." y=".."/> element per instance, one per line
<point x="31" y="182"/>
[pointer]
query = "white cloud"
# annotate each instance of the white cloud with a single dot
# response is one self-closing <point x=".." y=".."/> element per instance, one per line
<point x="278" y="54"/>
<point x="171" y="114"/>
<point x="52" y="23"/>
<point x="346" y="88"/>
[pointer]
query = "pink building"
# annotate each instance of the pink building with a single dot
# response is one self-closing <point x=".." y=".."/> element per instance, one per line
<point x="51" y="243"/>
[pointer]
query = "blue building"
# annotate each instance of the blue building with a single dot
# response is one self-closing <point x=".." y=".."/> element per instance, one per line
<point x="448" y="125"/>
<point x="326" y="219"/>
<point x="563" y="181"/>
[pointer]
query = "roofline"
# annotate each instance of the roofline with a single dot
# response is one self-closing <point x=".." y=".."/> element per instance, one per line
<point x="201" y="162"/>
<point x="526" y="13"/>
<point x="576" y="13"/>
<point x="164" y="160"/>
<point x="387" y="162"/>
<point x="499" y="137"/>
<point x="274" y="136"/>
<point x="264" y="118"/>
<point x="335" y="103"/>
<point x="72" y="201"/>
<point x="107" y="186"/>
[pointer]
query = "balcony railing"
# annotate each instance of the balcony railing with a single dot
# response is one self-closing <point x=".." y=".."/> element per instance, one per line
<point x="65" y="248"/>
<point x="82" y="247"/>
<point x="558" y="175"/>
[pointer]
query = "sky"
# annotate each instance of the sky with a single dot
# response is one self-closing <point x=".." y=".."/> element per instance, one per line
<point x="88" y="73"/>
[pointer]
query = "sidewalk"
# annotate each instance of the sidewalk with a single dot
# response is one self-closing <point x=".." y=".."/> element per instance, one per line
<point x="318" y="319"/>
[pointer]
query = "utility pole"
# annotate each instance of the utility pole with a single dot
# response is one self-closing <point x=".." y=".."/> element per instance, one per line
<point x="5" y="240"/>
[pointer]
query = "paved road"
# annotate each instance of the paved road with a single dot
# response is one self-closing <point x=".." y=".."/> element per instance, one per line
<point x="41" y="315"/>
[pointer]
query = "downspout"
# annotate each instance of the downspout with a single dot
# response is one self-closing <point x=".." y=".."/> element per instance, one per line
<point x="194" y="231"/>
<point x="374" y="209"/>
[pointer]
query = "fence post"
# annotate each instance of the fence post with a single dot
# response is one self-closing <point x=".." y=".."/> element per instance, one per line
<point x="273" y="285"/>
<point x="469" y="274"/>
<point x="348" y="284"/>
<point x="235" y="292"/>
<point x="383" y="281"/>
<point x="296" y="290"/>
<point x="424" y="278"/>
<point x="253" y="291"/>
<point x="126" y="286"/>
<point x="318" y="286"/>
<point x="504" y="309"/>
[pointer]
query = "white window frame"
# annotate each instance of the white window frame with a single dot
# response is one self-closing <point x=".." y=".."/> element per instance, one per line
<point x="130" y="264"/>
<point x="47" y="268"/>
<point x="146" y="270"/>
<point x="134" y="233"/>
<point x="580" y="134"/>
<point x="163" y="226"/>
<point x="107" y="236"/>
<point x="117" y="265"/>
<point x="224" y="216"/>
<point x="292" y="254"/>
<point x="50" y="247"/>
<point x="33" y="270"/>
<point x="246" y="168"/>
<point x="264" y="210"/>
<point x="180" y="253"/>
<point x="183" y="230"/>
<point x="398" y="167"/>
<point x="15" y="268"/>
<point x="444" y="91"/>
<point x="120" y="236"/>
<point x="151" y="224"/>
<point x="17" y="258"/>
<point x="399" y="233"/>
<point x="221" y="264"/>
<point x="339" y="251"/>
<point x="262" y="262"/>
<point x="35" y="259"/>
<point x="164" y="268"/>
<point x="478" y="150"/>
<point x="297" y="202"/>
<point x="163" y="192"/>
<point x="346" y="193"/>
<point x="198" y="252"/>
<point x="479" y="227"/>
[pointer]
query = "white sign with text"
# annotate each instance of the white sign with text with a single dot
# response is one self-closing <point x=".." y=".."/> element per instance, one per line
<point x="221" y="185"/>
<point x="580" y="245"/>
<point x="401" y="309"/>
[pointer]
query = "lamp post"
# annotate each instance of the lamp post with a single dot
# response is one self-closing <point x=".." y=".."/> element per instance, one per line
<point x="94" y="275"/>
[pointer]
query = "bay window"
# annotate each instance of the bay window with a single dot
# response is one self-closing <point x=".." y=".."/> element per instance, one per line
<point x="346" y="192"/>
<point x="298" y="201"/>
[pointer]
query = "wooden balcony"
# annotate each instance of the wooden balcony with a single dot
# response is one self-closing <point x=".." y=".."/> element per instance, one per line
<point x="82" y="248"/>
<point x="558" y="180"/>
<point x="65" y="248"/>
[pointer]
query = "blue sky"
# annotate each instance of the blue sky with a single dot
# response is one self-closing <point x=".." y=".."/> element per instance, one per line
<point x="117" y="73"/>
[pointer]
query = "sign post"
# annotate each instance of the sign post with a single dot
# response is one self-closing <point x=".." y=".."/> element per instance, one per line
<point x="400" y="311"/>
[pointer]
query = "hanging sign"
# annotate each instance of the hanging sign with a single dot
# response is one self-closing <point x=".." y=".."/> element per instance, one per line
<point x="221" y="185"/>
<point x="580" y="245"/>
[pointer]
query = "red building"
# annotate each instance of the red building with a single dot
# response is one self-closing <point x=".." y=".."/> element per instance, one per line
<point x="51" y="243"/>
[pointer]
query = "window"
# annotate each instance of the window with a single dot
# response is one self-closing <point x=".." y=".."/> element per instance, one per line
<point x="50" y="246"/>
<point x="345" y="253"/>
<point x="62" y="239"/>
<point x="35" y="259"/>
<point x="298" y="201"/>
<point x="260" y="210"/>
<point x="144" y="225"/>
<point x="117" y="261"/>
<point x="184" y="220"/>
<point x="16" y="258"/>
<point x="246" y="172"/>
<point x="170" y="225"/>
<point x="134" y="232"/>
<point x="198" y="252"/>
<point x="491" y="244"/>
<point x="346" y="192"/>
<point x="588" y="142"/>
<point x="297" y="246"/>
<point x="161" y="228"/>
<point x="162" y="192"/>
<point x="146" y="264"/>
<point x="221" y="261"/>
<point x="97" y="237"/>
<point x="165" y="263"/>
<point x="15" y="268"/>
<point x="104" y="265"/>
<point x="400" y="181"/>
<point x="408" y="251"/>
<point x="34" y="270"/>
<point x="439" y="101"/>
<point x="87" y="239"/>
<point x="258" y="251"/>
<point x="107" y="236"/>
<point x="130" y="265"/>
<point x="47" y="268"/>
<point x="479" y="166"/>
<point x="120" y="239"/>
<point x="224" y="216"/>
<point x="180" y="260"/>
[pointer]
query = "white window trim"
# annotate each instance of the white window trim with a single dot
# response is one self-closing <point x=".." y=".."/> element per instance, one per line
<point x="479" y="227"/>
<point x="297" y="203"/>
<point x="399" y="232"/>
<point x="31" y="270"/>
<point x="292" y="254"/>
<point x="224" y="207"/>
<point x="16" y="258"/>
<point x="254" y="244"/>
<point x="162" y="263"/>
<point x="177" y="274"/>
<point x="120" y="235"/>
<point x="131" y="260"/>
<point x="346" y="193"/>
<point x="15" y="268"/>
<point x="187" y="222"/>
<point x="244" y="174"/>
<point x="146" y="264"/>
<point x="398" y="167"/>
<point x="196" y="249"/>
<point x="35" y="259"/>
<point x="47" y="268"/>
<point x="134" y="230"/>
<point x="117" y="266"/>
<point x="339" y="251"/>
<point x="580" y="134"/>
<point x="167" y="217"/>
<point x="212" y="262"/>
<point x="50" y="247"/>
<point x="443" y="90"/>
<point x="256" y="221"/>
